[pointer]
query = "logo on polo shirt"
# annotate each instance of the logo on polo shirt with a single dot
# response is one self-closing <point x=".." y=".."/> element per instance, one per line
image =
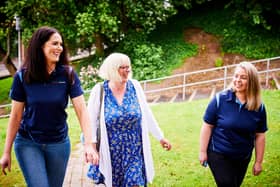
<point x="58" y="82"/>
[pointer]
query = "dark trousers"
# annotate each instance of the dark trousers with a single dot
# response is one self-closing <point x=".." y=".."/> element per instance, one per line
<point x="227" y="172"/>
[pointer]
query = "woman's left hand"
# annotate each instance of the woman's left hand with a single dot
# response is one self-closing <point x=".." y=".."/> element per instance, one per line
<point x="165" y="144"/>
<point x="91" y="154"/>
<point x="257" y="168"/>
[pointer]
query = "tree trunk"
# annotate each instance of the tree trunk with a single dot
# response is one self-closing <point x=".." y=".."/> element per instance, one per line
<point x="6" y="59"/>
<point x="99" y="47"/>
<point x="124" y="20"/>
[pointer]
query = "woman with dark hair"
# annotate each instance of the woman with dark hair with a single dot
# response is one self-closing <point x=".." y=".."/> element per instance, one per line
<point x="37" y="124"/>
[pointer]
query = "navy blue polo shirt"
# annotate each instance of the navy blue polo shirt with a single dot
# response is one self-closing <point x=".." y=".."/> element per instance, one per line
<point x="44" y="117"/>
<point x="234" y="126"/>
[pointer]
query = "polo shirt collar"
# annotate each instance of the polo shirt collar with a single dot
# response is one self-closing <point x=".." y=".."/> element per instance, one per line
<point x="58" y="68"/>
<point x="230" y="95"/>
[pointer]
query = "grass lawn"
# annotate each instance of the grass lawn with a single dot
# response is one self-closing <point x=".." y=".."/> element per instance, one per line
<point x="181" y="124"/>
<point x="5" y="89"/>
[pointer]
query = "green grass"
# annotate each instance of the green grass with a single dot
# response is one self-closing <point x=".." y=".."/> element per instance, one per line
<point x="5" y="89"/>
<point x="181" y="124"/>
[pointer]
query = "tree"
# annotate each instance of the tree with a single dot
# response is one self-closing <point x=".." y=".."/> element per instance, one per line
<point x="144" y="15"/>
<point x="97" y="22"/>
<point x="265" y="13"/>
<point x="6" y="29"/>
<point x="187" y="4"/>
<point x="105" y="20"/>
<point x="59" y="14"/>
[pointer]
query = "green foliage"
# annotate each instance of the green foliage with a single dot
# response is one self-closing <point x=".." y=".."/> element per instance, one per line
<point x="236" y="35"/>
<point x="89" y="77"/>
<point x="187" y="4"/>
<point x="170" y="37"/>
<point x="176" y="50"/>
<point x="157" y="53"/>
<point x="130" y="40"/>
<point x="163" y="38"/>
<point x="88" y="71"/>
<point x="97" y="18"/>
<point x="146" y="57"/>
<point x="147" y="62"/>
<point x="252" y="42"/>
<point x="257" y="12"/>
<point x="219" y="62"/>
<point x="33" y="14"/>
<point x="145" y="15"/>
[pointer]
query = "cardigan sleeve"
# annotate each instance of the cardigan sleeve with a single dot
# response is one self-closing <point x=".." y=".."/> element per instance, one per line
<point x="93" y="108"/>
<point x="153" y="126"/>
<point x="148" y="117"/>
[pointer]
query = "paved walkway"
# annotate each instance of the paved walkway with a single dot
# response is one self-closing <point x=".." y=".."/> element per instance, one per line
<point x="77" y="169"/>
<point x="3" y="71"/>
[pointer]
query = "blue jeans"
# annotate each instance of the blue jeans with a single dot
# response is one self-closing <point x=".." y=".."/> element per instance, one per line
<point x="42" y="165"/>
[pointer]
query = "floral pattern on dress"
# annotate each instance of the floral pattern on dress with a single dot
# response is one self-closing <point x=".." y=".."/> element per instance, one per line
<point x="123" y="123"/>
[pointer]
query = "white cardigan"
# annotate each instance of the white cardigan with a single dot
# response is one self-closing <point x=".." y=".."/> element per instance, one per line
<point x="149" y="124"/>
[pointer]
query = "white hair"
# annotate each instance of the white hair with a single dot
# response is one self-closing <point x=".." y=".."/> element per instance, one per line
<point x="110" y="66"/>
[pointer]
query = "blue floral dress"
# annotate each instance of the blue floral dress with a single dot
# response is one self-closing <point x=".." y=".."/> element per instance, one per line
<point x="123" y="123"/>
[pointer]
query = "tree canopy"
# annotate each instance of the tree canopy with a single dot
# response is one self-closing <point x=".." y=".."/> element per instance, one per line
<point x="103" y="23"/>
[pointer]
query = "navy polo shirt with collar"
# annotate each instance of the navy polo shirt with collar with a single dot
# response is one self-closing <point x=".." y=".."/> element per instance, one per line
<point x="44" y="117"/>
<point x="234" y="126"/>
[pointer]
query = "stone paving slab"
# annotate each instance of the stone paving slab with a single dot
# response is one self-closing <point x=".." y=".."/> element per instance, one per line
<point x="76" y="170"/>
<point x="3" y="71"/>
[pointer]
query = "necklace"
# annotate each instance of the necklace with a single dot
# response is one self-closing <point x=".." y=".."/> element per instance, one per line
<point x="50" y="69"/>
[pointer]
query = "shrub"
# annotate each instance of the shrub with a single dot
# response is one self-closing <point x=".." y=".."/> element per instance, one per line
<point x="146" y="57"/>
<point x="219" y="62"/>
<point x="147" y="61"/>
<point x="89" y="77"/>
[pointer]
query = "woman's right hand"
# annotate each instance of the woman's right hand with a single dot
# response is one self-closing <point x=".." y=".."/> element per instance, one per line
<point x="205" y="134"/>
<point x="91" y="154"/>
<point x="5" y="162"/>
<point x="165" y="144"/>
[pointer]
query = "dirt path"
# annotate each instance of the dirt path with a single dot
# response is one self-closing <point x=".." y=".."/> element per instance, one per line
<point x="209" y="50"/>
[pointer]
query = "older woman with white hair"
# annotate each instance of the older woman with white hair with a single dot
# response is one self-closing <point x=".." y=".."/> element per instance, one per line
<point x="125" y="157"/>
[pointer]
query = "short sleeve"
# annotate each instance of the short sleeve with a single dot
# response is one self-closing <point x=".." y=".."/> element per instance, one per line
<point x="76" y="88"/>
<point x="262" y="125"/>
<point x="210" y="115"/>
<point x="17" y="91"/>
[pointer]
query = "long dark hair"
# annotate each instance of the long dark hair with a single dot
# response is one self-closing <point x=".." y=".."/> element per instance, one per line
<point x="35" y="62"/>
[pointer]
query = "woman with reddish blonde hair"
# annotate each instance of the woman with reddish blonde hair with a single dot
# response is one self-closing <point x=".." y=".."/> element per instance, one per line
<point x="234" y="124"/>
